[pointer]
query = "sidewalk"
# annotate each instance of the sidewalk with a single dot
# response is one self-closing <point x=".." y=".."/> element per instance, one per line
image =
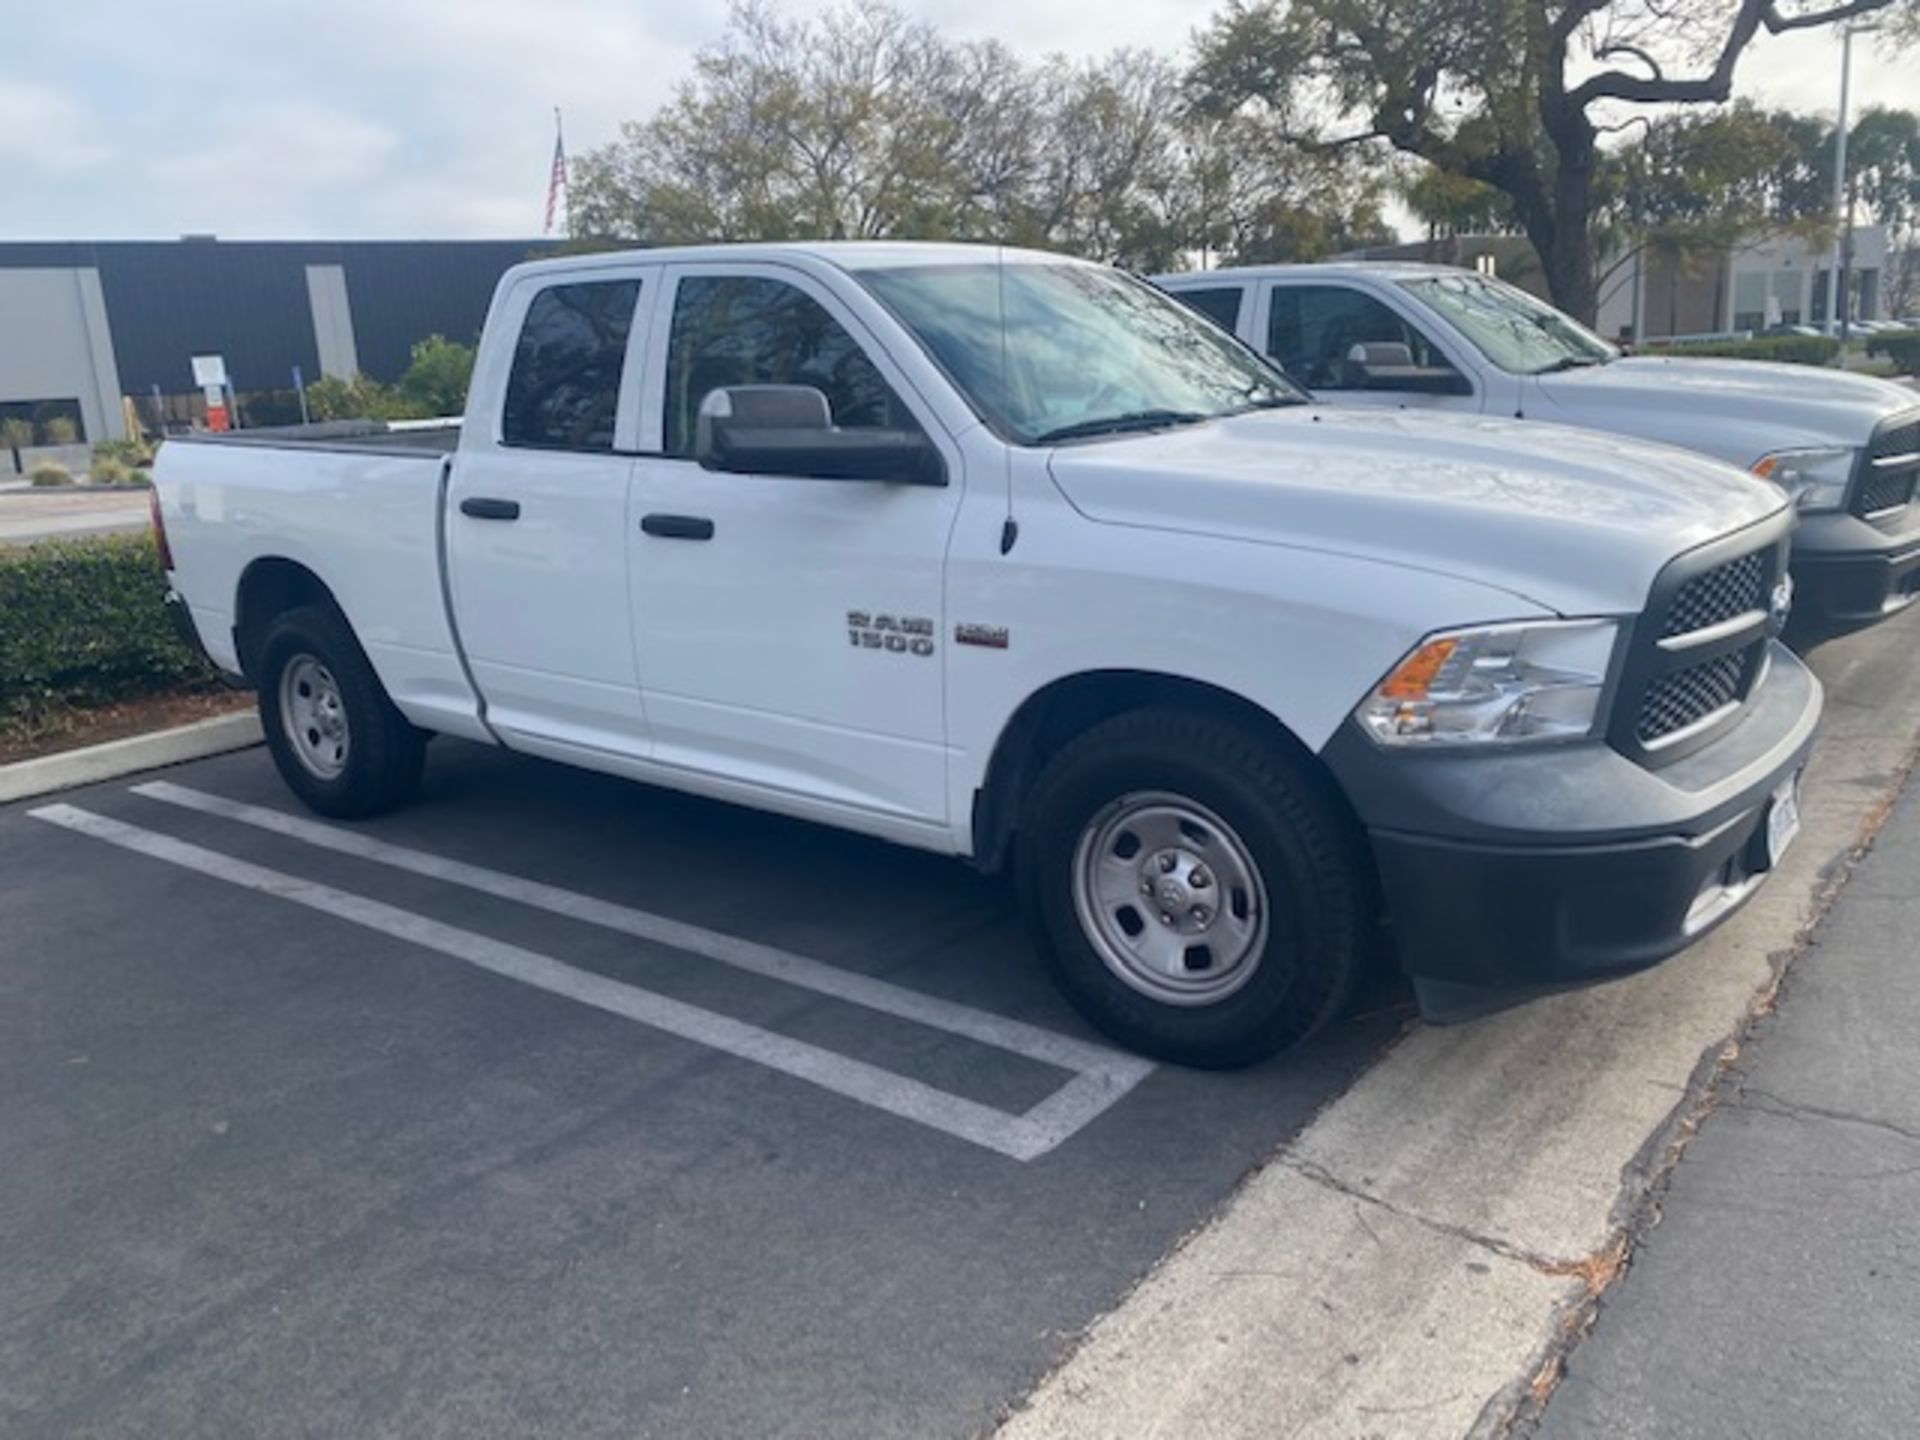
<point x="27" y="516"/>
<point x="1777" y="1295"/>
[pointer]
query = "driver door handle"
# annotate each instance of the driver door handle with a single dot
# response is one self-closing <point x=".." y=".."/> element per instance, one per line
<point x="678" y="527"/>
<point x="482" y="508"/>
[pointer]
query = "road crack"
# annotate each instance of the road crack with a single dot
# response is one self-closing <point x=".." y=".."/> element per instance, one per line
<point x="1505" y="1249"/>
<point x="1747" y="1097"/>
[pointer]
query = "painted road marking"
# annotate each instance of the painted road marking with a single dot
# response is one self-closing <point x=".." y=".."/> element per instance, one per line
<point x="1049" y="1047"/>
<point x="1023" y="1137"/>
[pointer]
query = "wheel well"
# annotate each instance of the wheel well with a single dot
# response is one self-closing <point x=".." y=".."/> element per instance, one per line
<point x="1052" y="716"/>
<point x="268" y="589"/>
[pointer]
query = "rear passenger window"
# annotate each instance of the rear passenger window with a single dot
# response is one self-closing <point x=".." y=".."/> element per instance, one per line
<point x="742" y="330"/>
<point x="565" y="384"/>
<point x="1221" y="305"/>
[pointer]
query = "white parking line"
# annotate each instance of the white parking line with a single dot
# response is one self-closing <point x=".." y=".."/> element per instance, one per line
<point x="1046" y="1046"/>
<point x="1023" y="1137"/>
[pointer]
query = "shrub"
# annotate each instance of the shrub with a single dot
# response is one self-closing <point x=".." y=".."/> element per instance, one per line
<point x="134" y="454"/>
<point x="47" y="473"/>
<point x="1786" y="349"/>
<point x="360" y="398"/>
<point x="86" y="623"/>
<point x="437" y="376"/>
<point x="1900" y="346"/>
<point x="59" y="430"/>
<point x="106" y="470"/>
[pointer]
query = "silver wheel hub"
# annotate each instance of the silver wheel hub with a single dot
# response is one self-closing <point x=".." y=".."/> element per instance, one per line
<point x="314" y="717"/>
<point x="1170" y="898"/>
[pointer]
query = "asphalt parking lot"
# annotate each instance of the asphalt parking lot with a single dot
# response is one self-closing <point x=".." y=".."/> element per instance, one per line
<point x="554" y="1105"/>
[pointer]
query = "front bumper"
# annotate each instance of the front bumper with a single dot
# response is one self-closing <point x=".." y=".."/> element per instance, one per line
<point x="1847" y="572"/>
<point x="1513" y="875"/>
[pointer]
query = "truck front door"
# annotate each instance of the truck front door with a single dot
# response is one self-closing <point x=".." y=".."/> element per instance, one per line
<point x="1349" y="347"/>
<point x="790" y="632"/>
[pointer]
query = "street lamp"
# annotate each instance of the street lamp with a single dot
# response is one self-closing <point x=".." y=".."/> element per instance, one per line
<point x="1843" y="219"/>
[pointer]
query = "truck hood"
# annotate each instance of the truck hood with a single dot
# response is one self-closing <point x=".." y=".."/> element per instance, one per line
<point x="1736" y="409"/>
<point x="1577" y="522"/>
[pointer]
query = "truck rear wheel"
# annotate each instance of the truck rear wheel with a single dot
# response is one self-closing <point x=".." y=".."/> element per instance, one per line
<point x="335" y="736"/>
<point x="1195" y="894"/>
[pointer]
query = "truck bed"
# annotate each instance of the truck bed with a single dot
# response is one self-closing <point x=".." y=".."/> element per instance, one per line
<point x="427" y="438"/>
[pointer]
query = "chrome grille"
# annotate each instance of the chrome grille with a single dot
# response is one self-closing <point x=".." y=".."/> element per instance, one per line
<point x="1686" y="697"/>
<point x="1886" y="490"/>
<point x="1720" y="594"/>
<point x="1700" y="674"/>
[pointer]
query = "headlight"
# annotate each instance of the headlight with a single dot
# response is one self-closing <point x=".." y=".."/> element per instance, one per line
<point x="1495" y="685"/>
<point x="1816" y="479"/>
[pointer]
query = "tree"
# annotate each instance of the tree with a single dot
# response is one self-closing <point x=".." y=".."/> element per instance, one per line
<point x="1883" y="170"/>
<point x="1514" y="94"/>
<point x="16" y="434"/>
<point x="859" y="123"/>
<point x="847" y="125"/>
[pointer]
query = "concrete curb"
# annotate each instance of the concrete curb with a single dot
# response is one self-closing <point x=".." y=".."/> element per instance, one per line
<point x="1413" y="1264"/>
<point x="25" y="779"/>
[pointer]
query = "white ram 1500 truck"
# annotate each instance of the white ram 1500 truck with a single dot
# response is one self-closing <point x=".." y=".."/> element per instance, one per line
<point x="1392" y="334"/>
<point x="1014" y="558"/>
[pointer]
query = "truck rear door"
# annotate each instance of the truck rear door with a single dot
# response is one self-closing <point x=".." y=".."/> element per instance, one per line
<point x="536" y="523"/>
<point x="789" y="631"/>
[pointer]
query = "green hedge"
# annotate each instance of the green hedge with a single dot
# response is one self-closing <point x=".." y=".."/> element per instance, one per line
<point x="1900" y="346"/>
<point x="83" y="622"/>
<point x="1787" y="349"/>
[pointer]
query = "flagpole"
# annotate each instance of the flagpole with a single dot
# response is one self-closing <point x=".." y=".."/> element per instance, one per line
<point x="559" y="182"/>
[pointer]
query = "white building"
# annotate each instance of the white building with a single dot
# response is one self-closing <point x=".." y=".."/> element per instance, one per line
<point x="1779" y="280"/>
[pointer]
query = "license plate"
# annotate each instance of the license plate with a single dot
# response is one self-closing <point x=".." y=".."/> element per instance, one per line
<point x="1783" y="819"/>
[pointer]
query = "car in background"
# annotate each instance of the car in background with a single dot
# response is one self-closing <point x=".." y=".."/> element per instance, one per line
<point x="1429" y="337"/>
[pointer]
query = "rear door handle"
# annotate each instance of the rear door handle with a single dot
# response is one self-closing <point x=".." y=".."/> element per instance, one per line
<point x="678" y="527"/>
<point x="481" y="508"/>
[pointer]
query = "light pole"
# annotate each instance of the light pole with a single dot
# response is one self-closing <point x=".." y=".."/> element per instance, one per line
<point x="1842" y="216"/>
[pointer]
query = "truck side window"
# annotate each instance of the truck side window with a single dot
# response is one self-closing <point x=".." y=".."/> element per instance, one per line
<point x="743" y="330"/>
<point x="565" y="384"/>
<point x="1220" y="304"/>
<point x="1311" y="329"/>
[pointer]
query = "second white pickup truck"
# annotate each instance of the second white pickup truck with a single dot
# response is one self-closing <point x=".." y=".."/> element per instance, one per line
<point x="1011" y="557"/>
<point x="1393" y="334"/>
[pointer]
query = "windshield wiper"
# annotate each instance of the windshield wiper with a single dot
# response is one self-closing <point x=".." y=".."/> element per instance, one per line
<point x="1118" y="424"/>
<point x="1570" y="362"/>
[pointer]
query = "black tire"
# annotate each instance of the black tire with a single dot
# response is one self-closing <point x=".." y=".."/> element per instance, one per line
<point x="1306" y="852"/>
<point x="383" y="754"/>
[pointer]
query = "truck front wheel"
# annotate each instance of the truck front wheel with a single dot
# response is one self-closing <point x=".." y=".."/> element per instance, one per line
<point x="335" y="736"/>
<point x="1195" y="893"/>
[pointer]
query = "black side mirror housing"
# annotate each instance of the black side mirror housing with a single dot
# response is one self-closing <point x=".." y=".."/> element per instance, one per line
<point x="789" y="430"/>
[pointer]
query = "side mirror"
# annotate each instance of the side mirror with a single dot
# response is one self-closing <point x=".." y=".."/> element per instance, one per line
<point x="1389" y="366"/>
<point x="789" y="430"/>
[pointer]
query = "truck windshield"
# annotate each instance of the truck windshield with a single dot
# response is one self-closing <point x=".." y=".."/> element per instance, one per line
<point x="1512" y="329"/>
<point x="1082" y="352"/>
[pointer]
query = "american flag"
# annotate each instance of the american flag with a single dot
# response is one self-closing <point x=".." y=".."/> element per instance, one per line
<point x="557" y="180"/>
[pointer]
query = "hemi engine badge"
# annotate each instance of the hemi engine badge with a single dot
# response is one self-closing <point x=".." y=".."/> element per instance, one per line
<point x="990" y="637"/>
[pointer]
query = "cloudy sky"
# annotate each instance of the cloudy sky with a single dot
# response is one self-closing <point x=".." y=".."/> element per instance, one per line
<point x="403" y="118"/>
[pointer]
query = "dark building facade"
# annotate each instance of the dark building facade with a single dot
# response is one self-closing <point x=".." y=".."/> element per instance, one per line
<point x="83" y="323"/>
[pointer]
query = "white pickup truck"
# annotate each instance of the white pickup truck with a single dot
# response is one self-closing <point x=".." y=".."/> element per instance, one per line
<point x="1013" y="558"/>
<point x="1846" y="447"/>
